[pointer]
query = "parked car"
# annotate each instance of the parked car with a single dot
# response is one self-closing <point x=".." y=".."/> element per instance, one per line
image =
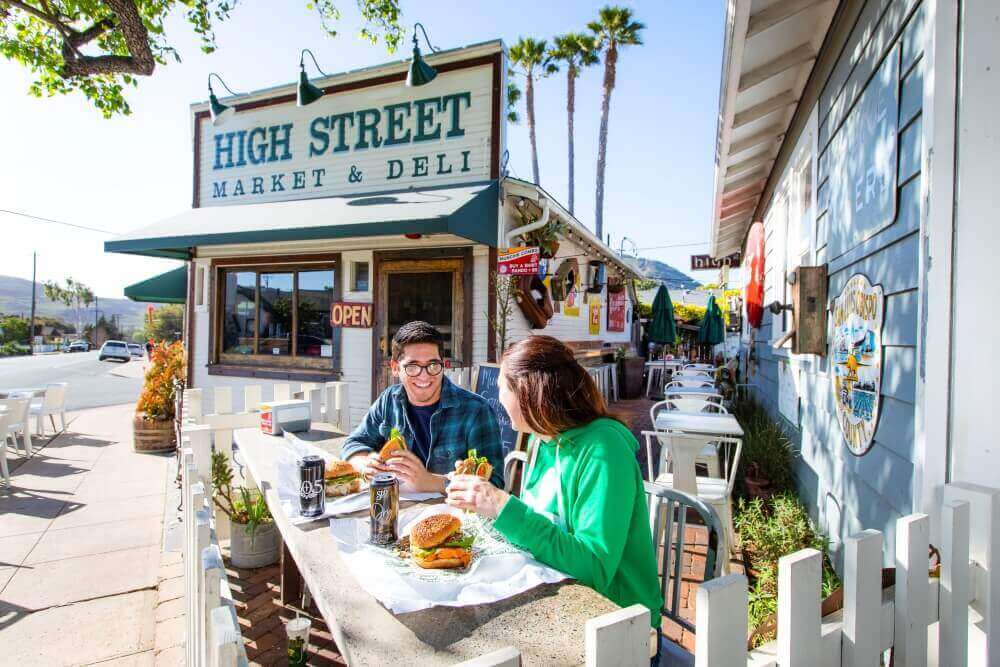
<point x="114" y="349"/>
<point x="135" y="350"/>
<point x="77" y="346"/>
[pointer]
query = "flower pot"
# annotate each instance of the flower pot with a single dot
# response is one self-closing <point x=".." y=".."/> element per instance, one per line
<point x="152" y="435"/>
<point x="262" y="550"/>
<point x="757" y="486"/>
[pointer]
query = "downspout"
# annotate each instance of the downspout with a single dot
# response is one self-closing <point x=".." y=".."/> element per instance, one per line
<point x="538" y="224"/>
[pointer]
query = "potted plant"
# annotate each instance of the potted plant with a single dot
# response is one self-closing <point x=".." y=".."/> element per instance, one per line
<point x="254" y="538"/>
<point x="153" y="423"/>
<point x="546" y="238"/>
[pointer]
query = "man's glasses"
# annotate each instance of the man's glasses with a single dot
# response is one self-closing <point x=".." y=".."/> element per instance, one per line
<point x="433" y="368"/>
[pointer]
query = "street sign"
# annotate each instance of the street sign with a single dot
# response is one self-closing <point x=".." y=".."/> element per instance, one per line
<point x="706" y="262"/>
<point x="518" y="261"/>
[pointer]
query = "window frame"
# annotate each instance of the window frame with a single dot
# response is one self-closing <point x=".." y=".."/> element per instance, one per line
<point x="291" y="366"/>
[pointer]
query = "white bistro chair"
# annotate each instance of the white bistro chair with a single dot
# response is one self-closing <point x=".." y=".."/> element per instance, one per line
<point x="701" y="367"/>
<point x="17" y="407"/>
<point x="688" y="382"/>
<point x="680" y="450"/>
<point x="52" y="403"/>
<point x="688" y="373"/>
<point x="4" y="418"/>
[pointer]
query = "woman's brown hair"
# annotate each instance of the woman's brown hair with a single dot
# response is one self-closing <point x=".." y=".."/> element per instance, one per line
<point x="554" y="392"/>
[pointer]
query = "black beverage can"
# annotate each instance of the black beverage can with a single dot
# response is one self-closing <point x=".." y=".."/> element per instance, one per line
<point x="312" y="492"/>
<point x="384" y="493"/>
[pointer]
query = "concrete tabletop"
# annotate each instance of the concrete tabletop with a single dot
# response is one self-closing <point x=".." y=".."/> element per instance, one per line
<point x="545" y="623"/>
<point x="699" y="423"/>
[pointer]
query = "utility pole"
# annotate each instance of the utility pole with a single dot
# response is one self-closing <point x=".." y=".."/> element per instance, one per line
<point x="95" y="320"/>
<point x="31" y="325"/>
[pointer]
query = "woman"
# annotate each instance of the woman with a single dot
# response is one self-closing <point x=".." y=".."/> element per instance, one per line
<point x="583" y="509"/>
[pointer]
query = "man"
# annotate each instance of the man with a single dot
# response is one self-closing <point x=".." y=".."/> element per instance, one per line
<point x="439" y="421"/>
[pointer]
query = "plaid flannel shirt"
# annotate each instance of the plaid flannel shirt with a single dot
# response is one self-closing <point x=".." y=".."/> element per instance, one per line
<point x="462" y="421"/>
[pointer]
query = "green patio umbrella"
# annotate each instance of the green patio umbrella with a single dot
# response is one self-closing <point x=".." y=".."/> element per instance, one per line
<point x="712" y="330"/>
<point x="662" y="327"/>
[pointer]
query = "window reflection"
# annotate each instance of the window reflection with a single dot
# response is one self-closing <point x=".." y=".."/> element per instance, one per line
<point x="315" y="334"/>
<point x="238" y="312"/>
<point x="276" y="313"/>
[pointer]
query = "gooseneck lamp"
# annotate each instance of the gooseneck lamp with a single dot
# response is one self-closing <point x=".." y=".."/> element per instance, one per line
<point x="307" y="92"/>
<point x="420" y="72"/>
<point x="220" y="112"/>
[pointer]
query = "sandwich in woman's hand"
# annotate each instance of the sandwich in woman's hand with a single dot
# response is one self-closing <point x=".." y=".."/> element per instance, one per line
<point x="437" y="542"/>
<point x="341" y="478"/>
<point x="474" y="465"/>
<point x="394" y="444"/>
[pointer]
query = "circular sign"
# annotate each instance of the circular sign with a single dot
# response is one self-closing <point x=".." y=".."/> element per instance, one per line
<point x="753" y="260"/>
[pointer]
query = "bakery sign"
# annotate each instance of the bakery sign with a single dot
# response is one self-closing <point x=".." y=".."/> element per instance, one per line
<point x="856" y="359"/>
<point x="372" y="138"/>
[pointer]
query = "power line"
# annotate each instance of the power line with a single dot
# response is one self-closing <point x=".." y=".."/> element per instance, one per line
<point x="56" y="222"/>
<point x="675" y="245"/>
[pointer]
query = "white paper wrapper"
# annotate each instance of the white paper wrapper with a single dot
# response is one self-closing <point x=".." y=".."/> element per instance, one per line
<point x="288" y="485"/>
<point x="498" y="569"/>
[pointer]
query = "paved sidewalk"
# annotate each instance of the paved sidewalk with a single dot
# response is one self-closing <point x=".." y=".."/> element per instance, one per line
<point x="80" y="543"/>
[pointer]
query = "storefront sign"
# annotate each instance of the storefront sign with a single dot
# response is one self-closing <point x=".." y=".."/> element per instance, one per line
<point x="351" y="315"/>
<point x="706" y="262"/>
<point x="594" y="304"/>
<point x="753" y="293"/>
<point x="856" y="358"/>
<point x="519" y="261"/>
<point x="616" y="311"/>
<point x="373" y="138"/>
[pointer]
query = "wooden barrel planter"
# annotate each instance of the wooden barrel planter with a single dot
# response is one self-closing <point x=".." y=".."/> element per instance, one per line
<point x="152" y="435"/>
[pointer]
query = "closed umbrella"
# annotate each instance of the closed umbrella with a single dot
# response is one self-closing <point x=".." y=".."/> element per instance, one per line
<point x="712" y="330"/>
<point x="663" y="328"/>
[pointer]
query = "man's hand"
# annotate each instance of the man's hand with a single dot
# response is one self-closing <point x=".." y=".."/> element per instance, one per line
<point x="470" y="492"/>
<point x="410" y="470"/>
<point x="368" y="464"/>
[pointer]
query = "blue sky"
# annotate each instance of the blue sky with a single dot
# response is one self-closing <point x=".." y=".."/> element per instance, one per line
<point x="64" y="161"/>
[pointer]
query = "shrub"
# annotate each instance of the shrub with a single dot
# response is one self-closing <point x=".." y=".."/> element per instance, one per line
<point x="765" y="446"/>
<point x="247" y="508"/>
<point x="166" y="370"/>
<point x="13" y="349"/>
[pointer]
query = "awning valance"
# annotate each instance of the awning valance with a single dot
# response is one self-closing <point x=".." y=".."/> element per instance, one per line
<point x="169" y="287"/>
<point x="468" y="211"/>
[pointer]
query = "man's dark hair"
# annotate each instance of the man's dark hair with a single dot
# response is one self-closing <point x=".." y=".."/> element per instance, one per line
<point x="416" y="332"/>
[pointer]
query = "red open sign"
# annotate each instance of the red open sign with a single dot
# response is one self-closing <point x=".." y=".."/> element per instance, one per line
<point x="351" y="315"/>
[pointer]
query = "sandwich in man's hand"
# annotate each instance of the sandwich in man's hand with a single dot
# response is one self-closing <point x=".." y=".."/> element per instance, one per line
<point x="340" y="479"/>
<point x="394" y="444"/>
<point x="474" y="465"/>
<point x="437" y="542"/>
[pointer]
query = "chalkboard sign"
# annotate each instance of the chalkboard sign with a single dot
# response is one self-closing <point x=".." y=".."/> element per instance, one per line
<point x="486" y="386"/>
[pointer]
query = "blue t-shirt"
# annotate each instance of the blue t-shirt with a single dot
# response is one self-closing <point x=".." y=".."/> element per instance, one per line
<point x="420" y="420"/>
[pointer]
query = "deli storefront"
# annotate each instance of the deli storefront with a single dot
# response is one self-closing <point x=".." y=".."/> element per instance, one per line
<point x="316" y="231"/>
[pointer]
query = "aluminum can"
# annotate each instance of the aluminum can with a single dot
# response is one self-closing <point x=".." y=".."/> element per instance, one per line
<point x="384" y="513"/>
<point x="312" y="491"/>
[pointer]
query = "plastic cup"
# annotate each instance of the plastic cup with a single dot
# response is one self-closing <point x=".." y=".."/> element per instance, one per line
<point x="298" y="640"/>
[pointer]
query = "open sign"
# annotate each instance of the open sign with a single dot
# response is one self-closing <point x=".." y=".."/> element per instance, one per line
<point x="352" y="315"/>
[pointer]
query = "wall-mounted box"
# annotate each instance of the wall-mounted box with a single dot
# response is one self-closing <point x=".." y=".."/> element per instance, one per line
<point x="809" y="308"/>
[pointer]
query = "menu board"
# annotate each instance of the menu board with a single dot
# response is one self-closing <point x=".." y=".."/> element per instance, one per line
<point x="486" y="386"/>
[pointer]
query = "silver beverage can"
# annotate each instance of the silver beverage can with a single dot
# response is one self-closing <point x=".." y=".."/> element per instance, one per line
<point x="384" y="512"/>
<point x="312" y="490"/>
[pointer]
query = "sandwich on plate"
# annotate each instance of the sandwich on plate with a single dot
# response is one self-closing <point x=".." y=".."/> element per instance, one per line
<point x="394" y="444"/>
<point x="438" y="542"/>
<point x="474" y="465"/>
<point x="341" y="479"/>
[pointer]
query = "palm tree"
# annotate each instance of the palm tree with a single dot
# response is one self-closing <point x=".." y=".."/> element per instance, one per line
<point x="534" y="61"/>
<point x="613" y="29"/>
<point x="577" y="51"/>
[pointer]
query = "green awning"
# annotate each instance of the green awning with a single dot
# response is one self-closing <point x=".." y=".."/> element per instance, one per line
<point x="468" y="211"/>
<point x="169" y="287"/>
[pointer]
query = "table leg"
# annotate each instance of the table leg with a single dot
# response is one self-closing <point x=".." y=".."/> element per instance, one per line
<point x="291" y="580"/>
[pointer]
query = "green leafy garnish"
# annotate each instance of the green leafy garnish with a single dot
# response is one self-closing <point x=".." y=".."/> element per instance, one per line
<point x="460" y="542"/>
<point x="394" y="433"/>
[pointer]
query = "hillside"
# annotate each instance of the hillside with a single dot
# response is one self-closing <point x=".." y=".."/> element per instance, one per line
<point x="657" y="270"/>
<point x="15" y="299"/>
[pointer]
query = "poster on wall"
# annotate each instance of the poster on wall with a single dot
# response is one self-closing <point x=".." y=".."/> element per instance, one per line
<point x="616" y="311"/>
<point x="594" y="305"/>
<point x="788" y="391"/>
<point x="571" y="306"/>
<point x="856" y="358"/>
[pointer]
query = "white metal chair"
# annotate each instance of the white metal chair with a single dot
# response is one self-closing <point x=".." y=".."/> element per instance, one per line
<point x="686" y="392"/>
<point x="52" y="403"/>
<point x="17" y="413"/>
<point x="4" y="418"/>
<point x="689" y="382"/>
<point x="681" y="451"/>
<point x="509" y="466"/>
<point x="701" y="367"/>
<point x="687" y="373"/>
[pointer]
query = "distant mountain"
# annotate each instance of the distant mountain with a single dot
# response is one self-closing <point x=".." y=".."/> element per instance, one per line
<point x="15" y="299"/>
<point x="657" y="270"/>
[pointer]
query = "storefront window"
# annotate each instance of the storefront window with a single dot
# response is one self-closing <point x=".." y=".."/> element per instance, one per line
<point x="239" y="313"/>
<point x="315" y="335"/>
<point x="276" y="313"/>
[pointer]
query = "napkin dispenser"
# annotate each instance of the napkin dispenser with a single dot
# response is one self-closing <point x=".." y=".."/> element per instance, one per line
<point x="277" y="417"/>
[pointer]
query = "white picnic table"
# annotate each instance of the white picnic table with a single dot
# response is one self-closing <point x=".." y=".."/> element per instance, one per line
<point x="545" y="623"/>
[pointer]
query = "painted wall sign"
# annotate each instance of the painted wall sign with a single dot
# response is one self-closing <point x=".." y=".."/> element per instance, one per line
<point x="856" y="351"/>
<point x="351" y="315"/>
<point x="706" y="262"/>
<point x="862" y="162"/>
<point x="518" y="261"/>
<point x="594" y="306"/>
<point x="616" y="311"/>
<point x="385" y="137"/>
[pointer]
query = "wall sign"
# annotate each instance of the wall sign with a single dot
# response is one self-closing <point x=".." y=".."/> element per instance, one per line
<point x="788" y="391"/>
<point x="518" y="261"/>
<point x="594" y="306"/>
<point x="616" y="311"/>
<point x="706" y="262"/>
<point x="376" y="138"/>
<point x="856" y="350"/>
<point x="753" y="293"/>
<point x="351" y="315"/>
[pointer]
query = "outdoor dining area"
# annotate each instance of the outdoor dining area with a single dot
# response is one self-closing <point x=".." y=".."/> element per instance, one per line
<point x="18" y="408"/>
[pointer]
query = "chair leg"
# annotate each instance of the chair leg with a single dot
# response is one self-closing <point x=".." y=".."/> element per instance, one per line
<point x="52" y="417"/>
<point x="3" y="461"/>
<point x="62" y="420"/>
<point x="26" y="434"/>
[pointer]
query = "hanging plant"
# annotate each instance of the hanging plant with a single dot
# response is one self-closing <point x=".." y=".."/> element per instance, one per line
<point x="546" y="238"/>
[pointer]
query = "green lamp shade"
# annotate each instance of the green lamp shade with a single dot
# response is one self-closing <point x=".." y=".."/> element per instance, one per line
<point x="420" y="72"/>
<point x="220" y="112"/>
<point x="308" y="93"/>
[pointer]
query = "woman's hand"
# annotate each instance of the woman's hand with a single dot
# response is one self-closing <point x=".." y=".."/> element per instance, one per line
<point x="410" y="470"/>
<point x="473" y="493"/>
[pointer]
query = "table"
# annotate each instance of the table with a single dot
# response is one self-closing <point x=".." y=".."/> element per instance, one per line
<point x="546" y="623"/>
<point x="693" y="391"/>
<point x="34" y="391"/>
<point x="699" y="423"/>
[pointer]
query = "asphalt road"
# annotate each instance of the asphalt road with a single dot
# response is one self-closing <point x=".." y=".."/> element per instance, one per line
<point x="92" y="383"/>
